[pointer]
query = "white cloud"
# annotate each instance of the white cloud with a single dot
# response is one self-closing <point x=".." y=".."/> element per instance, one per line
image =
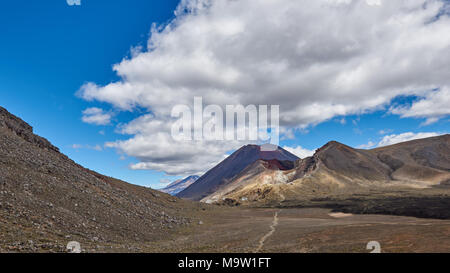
<point x="316" y="59"/>
<point x="154" y="146"/>
<point x="398" y="138"/>
<point x="96" y="116"/>
<point x="299" y="151"/>
<point x="165" y="181"/>
<point x="433" y="106"/>
<point x="73" y="2"/>
<point x="89" y="147"/>
<point x="393" y="139"/>
<point x="385" y="131"/>
<point x="374" y="2"/>
<point x="369" y="145"/>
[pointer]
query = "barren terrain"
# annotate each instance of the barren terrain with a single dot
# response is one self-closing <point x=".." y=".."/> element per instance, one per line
<point x="307" y="230"/>
<point x="47" y="201"/>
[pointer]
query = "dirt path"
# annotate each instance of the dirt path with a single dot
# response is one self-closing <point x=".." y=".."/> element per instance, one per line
<point x="272" y="230"/>
<point x="283" y="198"/>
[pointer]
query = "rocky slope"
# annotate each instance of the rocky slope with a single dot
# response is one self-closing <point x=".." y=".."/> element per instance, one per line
<point x="177" y="186"/>
<point x="47" y="200"/>
<point x="224" y="173"/>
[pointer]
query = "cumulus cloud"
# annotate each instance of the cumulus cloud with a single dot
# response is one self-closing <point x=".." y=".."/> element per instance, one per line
<point x="96" y="116"/>
<point x="433" y="106"/>
<point x="316" y="59"/>
<point x="393" y="139"/>
<point x="299" y="151"/>
<point x="165" y="181"/>
<point x="89" y="147"/>
<point x="385" y="131"/>
<point x="398" y="138"/>
<point x="156" y="149"/>
<point x="369" y="145"/>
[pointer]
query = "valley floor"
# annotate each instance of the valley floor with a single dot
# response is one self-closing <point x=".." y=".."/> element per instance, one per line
<point x="308" y="230"/>
<point x="260" y="230"/>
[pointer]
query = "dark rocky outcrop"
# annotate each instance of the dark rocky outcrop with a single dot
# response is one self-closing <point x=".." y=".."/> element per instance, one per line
<point x="23" y="130"/>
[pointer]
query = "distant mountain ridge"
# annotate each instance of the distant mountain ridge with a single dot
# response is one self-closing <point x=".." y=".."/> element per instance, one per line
<point x="334" y="169"/>
<point x="180" y="184"/>
<point x="225" y="171"/>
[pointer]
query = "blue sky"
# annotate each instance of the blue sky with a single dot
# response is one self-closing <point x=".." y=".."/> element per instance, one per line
<point x="49" y="50"/>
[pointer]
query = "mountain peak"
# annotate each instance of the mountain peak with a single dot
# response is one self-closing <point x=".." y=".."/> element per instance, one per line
<point x="265" y="152"/>
<point x="338" y="169"/>
<point x="334" y="143"/>
<point x="180" y="184"/>
<point x="231" y="166"/>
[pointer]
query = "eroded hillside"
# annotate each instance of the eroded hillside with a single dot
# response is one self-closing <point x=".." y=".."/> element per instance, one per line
<point x="47" y="200"/>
